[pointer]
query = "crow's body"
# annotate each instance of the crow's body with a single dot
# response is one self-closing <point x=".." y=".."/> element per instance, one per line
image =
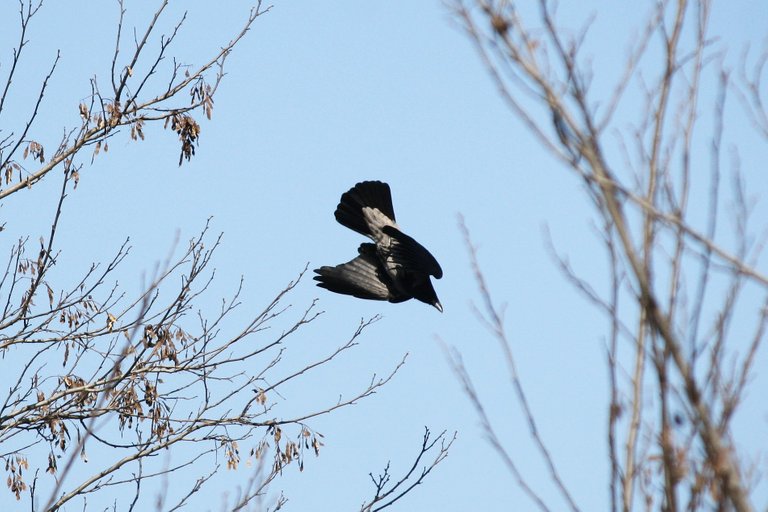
<point x="395" y="267"/>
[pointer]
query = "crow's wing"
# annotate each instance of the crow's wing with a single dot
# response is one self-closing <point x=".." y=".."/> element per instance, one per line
<point x="371" y="194"/>
<point x="363" y="277"/>
<point x="410" y="255"/>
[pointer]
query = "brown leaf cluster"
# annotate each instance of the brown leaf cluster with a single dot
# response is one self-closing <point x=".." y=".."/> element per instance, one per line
<point x="136" y="129"/>
<point x="232" y="453"/>
<point x="202" y="94"/>
<point x="16" y="467"/>
<point x="114" y="113"/>
<point x="9" y="168"/>
<point x="127" y="404"/>
<point x="161" y="341"/>
<point x="59" y="431"/>
<point x="84" y="396"/>
<point x="36" y="150"/>
<point x="78" y="313"/>
<point x="293" y="450"/>
<point x="188" y="130"/>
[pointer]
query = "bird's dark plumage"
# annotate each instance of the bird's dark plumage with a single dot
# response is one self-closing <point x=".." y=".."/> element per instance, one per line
<point x="395" y="267"/>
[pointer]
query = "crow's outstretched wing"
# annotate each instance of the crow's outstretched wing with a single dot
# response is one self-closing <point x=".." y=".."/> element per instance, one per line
<point x="363" y="277"/>
<point x="371" y="194"/>
<point x="410" y="255"/>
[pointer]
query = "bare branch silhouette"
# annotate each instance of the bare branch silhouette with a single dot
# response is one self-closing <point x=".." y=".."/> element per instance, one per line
<point x="388" y="493"/>
<point x="675" y="281"/>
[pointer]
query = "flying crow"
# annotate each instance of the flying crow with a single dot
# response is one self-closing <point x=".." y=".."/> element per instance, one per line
<point x="395" y="267"/>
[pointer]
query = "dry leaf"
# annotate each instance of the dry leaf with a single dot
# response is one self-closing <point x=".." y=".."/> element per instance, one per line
<point x="110" y="321"/>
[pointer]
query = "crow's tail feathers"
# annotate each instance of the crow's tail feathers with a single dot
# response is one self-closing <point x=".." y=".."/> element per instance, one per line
<point x="373" y="194"/>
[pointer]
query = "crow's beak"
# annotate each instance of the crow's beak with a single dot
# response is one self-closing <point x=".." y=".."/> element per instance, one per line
<point x="438" y="306"/>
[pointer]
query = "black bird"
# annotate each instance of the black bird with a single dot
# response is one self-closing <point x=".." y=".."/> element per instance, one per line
<point x="395" y="267"/>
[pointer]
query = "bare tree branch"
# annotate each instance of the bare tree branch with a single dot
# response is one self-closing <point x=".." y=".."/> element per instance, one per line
<point x="674" y="282"/>
<point x="388" y="493"/>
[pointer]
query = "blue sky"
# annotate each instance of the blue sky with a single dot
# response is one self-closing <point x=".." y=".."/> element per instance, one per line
<point x="319" y="96"/>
